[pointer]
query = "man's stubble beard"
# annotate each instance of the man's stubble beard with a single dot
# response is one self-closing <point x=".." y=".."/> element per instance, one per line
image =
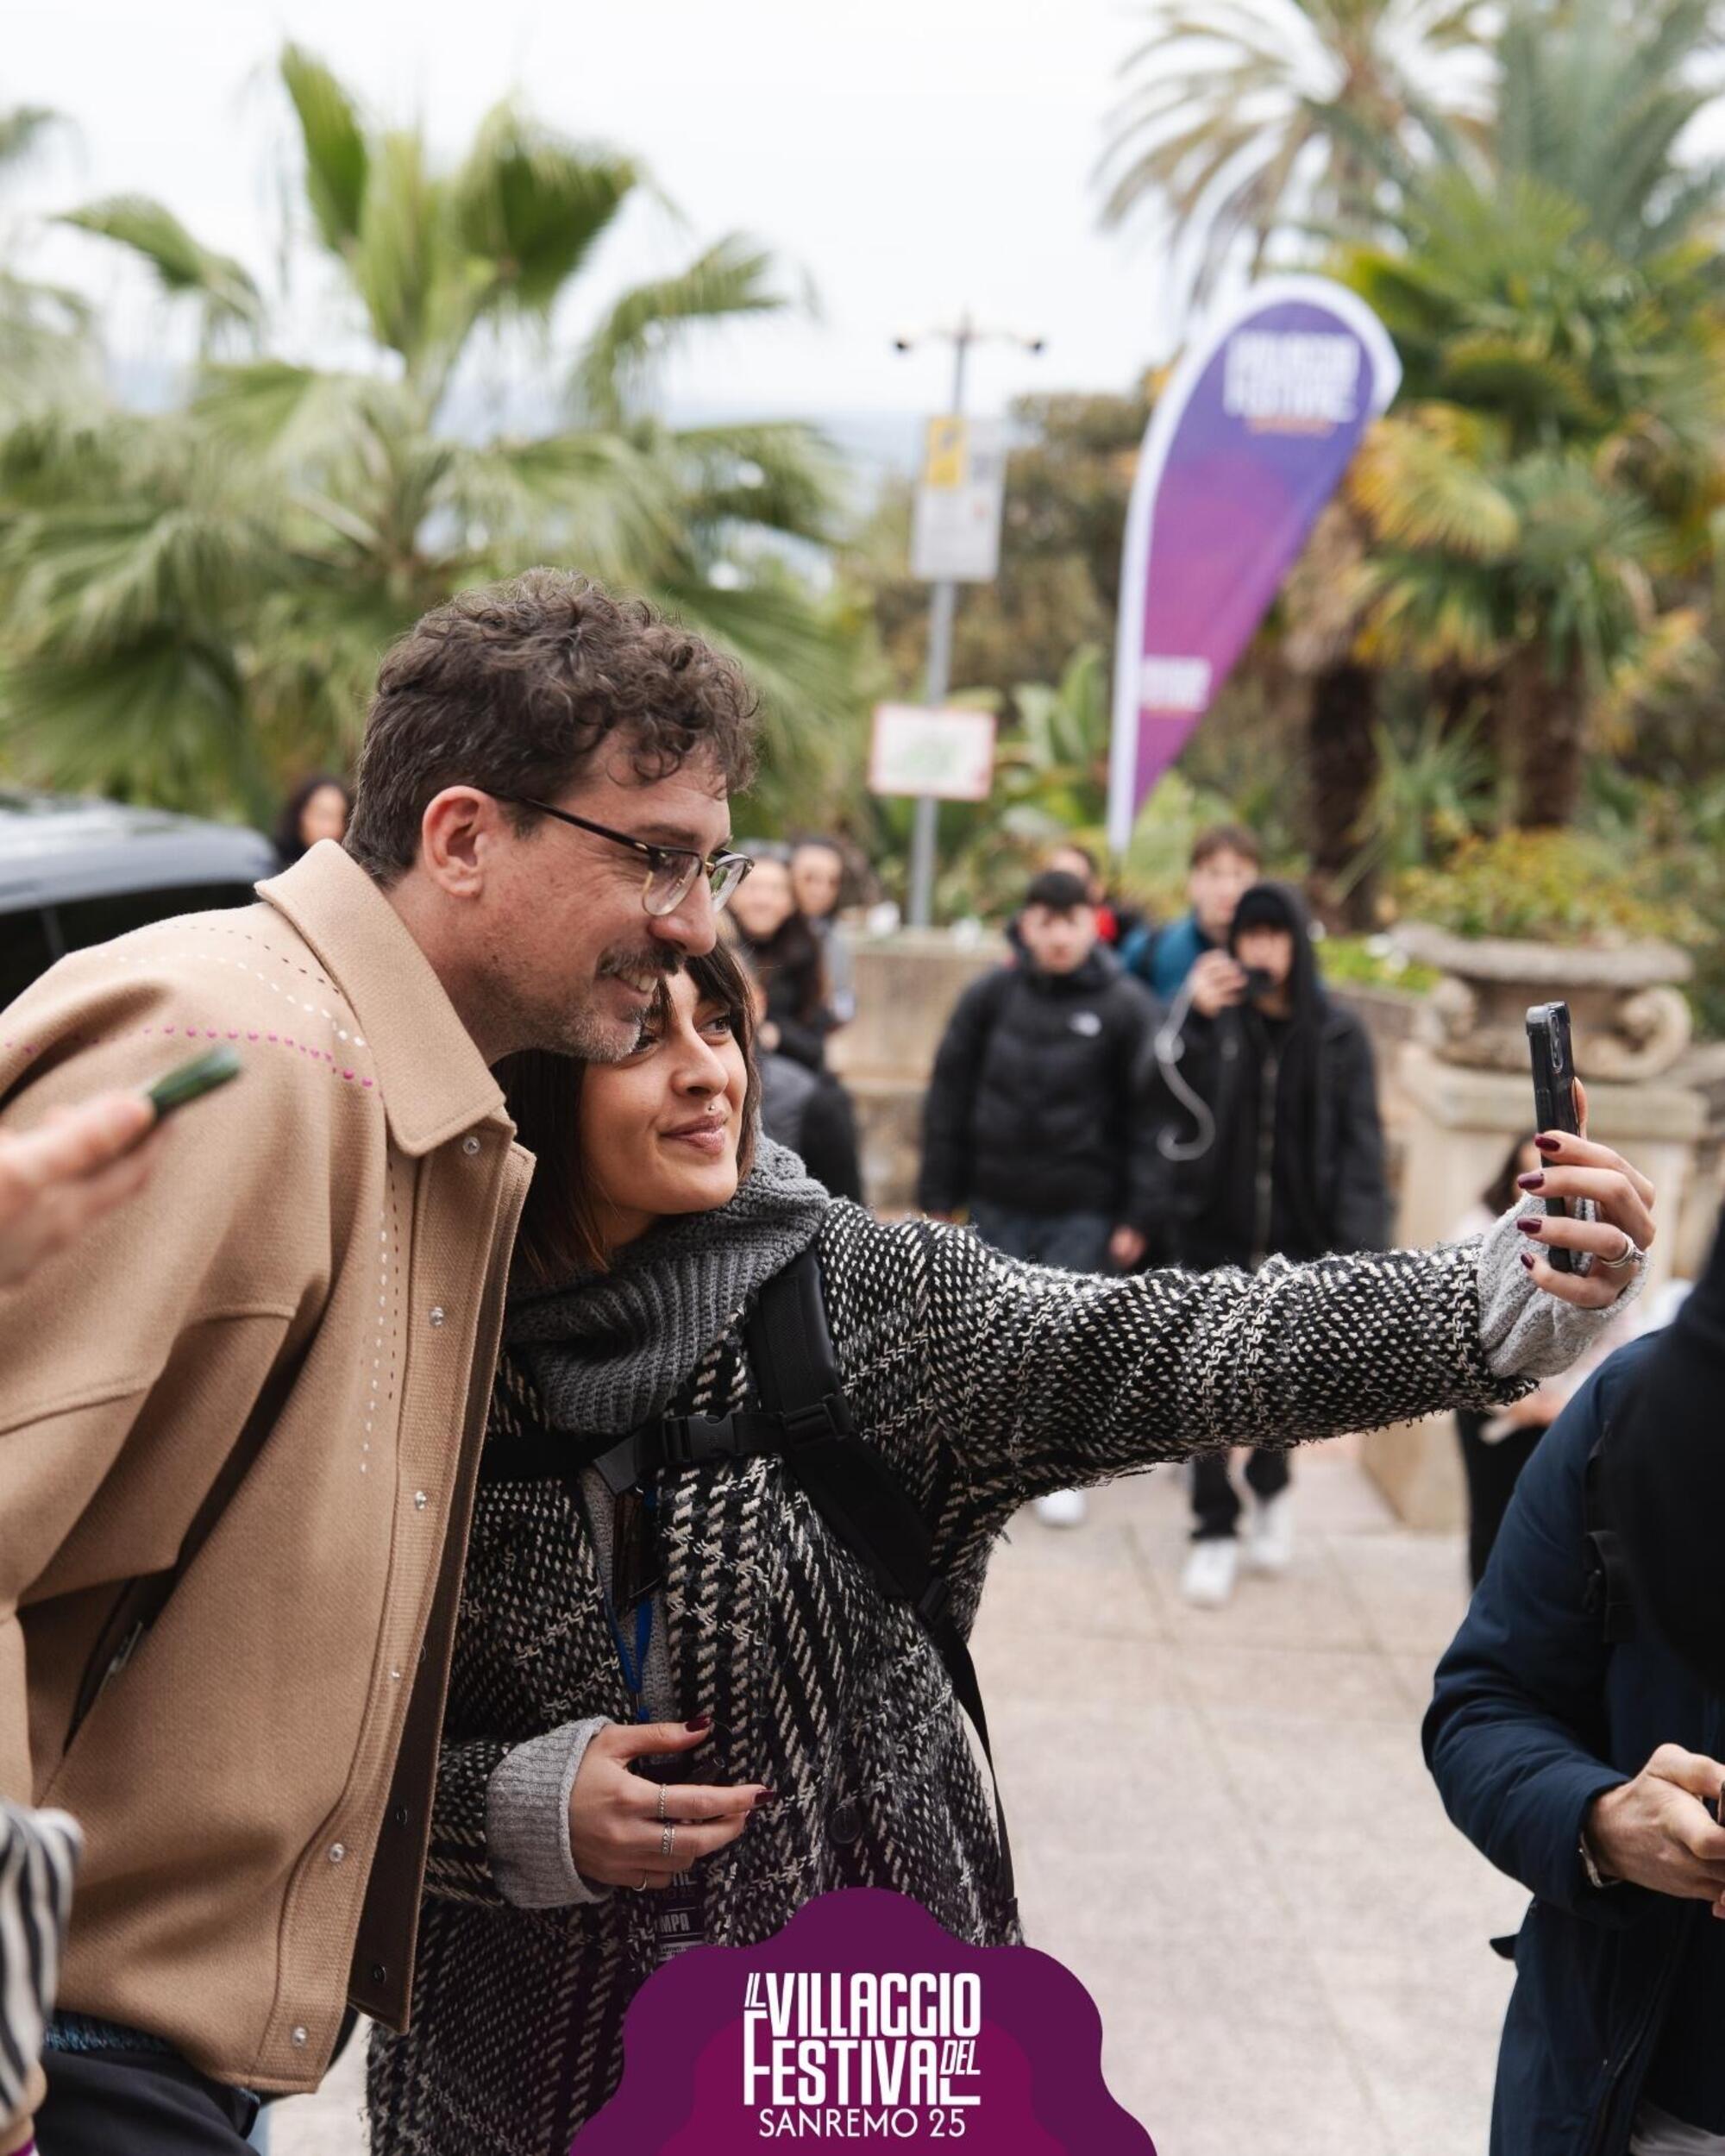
<point x="574" y="1026"/>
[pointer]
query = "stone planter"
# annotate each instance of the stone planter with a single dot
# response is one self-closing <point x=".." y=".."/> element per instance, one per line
<point x="1630" y="1021"/>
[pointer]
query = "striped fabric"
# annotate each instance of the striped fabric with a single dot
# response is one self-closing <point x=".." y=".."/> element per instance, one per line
<point x="39" y="1853"/>
<point x="984" y="1383"/>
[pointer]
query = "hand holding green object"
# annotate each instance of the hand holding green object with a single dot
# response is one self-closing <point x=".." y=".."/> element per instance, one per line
<point x="190" y="1081"/>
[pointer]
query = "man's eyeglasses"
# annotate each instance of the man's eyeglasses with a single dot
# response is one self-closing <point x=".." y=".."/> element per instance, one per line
<point x="671" y="871"/>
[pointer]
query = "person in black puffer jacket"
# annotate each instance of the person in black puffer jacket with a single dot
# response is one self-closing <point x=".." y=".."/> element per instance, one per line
<point x="1031" y="1118"/>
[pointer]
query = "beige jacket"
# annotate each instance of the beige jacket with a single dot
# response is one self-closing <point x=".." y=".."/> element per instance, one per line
<point x="319" y="1259"/>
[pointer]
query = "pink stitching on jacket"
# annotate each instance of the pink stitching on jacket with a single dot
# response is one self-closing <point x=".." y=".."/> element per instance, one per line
<point x="28" y="1049"/>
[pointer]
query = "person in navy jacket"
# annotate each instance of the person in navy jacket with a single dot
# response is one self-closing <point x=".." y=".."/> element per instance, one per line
<point x="1586" y="1766"/>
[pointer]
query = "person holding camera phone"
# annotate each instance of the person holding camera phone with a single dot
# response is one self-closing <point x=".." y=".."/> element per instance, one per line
<point x="749" y="1451"/>
<point x="1267" y="1142"/>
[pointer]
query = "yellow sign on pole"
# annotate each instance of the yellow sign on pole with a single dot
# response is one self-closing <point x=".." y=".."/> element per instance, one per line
<point x="955" y="524"/>
<point x="946" y="453"/>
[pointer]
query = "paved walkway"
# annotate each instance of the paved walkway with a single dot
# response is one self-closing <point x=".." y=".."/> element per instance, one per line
<point x="1222" y="1823"/>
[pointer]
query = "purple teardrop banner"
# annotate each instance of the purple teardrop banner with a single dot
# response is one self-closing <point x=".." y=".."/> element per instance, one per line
<point x="1248" y="441"/>
<point x="863" y="2021"/>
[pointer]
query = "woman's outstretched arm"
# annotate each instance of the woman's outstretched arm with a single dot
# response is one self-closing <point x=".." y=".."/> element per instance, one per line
<point x="1037" y="1380"/>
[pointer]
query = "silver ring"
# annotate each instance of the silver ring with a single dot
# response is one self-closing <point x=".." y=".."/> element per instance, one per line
<point x="646" y="1881"/>
<point x="667" y="1841"/>
<point x="1632" y="1254"/>
<point x="661" y="1803"/>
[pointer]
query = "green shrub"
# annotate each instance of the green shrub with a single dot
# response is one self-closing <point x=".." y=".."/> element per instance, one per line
<point x="1564" y="887"/>
<point x="1373" y="962"/>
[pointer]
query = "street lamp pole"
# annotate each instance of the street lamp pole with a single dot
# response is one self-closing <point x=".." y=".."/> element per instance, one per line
<point x="943" y="603"/>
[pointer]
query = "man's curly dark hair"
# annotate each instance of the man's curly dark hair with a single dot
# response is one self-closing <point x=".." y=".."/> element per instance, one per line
<point x="513" y="687"/>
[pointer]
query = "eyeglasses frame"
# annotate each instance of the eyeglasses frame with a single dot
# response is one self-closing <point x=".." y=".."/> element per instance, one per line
<point x="653" y="851"/>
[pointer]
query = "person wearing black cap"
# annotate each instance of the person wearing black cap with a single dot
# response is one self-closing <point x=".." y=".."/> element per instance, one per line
<point x="1032" y="1119"/>
<point x="1267" y="1142"/>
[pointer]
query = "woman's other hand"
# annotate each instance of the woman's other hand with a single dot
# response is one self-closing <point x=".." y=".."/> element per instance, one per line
<point x="1577" y="1167"/>
<point x="617" y="1836"/>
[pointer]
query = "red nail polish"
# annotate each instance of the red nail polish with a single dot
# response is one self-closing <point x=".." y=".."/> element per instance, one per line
<point x="700" y="1722"/>
<point x="1528" y="1259"/>
<point x="1530" y="1223"/>
<point x="766" y="1796"/>
<point x="1536" y="1181"/>
<point x="1548" y="1145"/>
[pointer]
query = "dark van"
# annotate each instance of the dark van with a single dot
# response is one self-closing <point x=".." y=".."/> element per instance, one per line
<point x="74" y="872"/>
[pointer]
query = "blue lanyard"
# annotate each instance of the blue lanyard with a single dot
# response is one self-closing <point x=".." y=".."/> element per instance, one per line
<point x="635" y="1673"/>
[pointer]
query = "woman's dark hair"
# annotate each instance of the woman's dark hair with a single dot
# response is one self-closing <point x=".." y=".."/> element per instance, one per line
<point x="290" y="844"/>
<point x="1501" y="1193"/>
<point x="561" y="1227"/>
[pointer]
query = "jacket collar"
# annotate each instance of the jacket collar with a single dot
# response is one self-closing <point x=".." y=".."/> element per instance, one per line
<point x="1089" y="977"/>
<point x="434" y="1082"/>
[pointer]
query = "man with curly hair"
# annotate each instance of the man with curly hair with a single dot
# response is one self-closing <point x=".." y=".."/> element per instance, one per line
<point x="241" y="1420"/>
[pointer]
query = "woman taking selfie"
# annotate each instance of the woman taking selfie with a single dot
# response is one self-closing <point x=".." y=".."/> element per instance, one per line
<point x="682" y="1704"/>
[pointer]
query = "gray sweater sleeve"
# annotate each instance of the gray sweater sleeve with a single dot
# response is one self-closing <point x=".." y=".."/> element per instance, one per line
<point x="1525" y="1332"/>
<point x="527" y="1819"/>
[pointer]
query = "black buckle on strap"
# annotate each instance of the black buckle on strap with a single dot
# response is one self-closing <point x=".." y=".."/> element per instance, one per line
<point x="823" y="1419"/>
<point x="931" y="1604"/>
<point x="686" y="1440"/>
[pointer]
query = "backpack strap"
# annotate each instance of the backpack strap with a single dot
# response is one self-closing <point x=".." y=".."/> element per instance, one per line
<point x="1609" y="1595"/>
<point x="851" y="1487"/>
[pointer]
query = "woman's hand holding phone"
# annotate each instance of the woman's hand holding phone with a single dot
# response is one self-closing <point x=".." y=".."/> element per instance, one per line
<point x="1577" y="1167"/>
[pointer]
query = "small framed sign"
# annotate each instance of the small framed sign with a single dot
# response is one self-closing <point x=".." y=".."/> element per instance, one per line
<point x="939" y="755"/>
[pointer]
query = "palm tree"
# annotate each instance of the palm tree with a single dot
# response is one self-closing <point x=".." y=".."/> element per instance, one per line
<point x="1553" y="480"/>
<point x="1523" y="527"/>
<point x="1247" y="118"/>
<point x="44" y="348"/>
<point x="249" y="557"/>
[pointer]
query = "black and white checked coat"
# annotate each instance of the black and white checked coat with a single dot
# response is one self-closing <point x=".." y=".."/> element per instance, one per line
<point x="985" y="1382"/>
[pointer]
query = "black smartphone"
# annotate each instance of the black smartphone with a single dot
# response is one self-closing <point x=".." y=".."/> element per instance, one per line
<point x="1552" y="1054"/>
<point x="190" y="1081"/>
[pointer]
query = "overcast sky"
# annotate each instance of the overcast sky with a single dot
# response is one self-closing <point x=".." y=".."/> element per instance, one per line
<point x="909" y="156"/>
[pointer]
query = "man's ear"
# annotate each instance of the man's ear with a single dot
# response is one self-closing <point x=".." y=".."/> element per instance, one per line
<point x="460" y="828"/>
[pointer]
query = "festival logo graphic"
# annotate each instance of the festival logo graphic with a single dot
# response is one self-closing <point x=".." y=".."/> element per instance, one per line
<point x="863" y="2021"/>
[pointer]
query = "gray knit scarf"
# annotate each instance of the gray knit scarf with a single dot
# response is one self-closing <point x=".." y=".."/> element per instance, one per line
<point x="608" y="1349"/>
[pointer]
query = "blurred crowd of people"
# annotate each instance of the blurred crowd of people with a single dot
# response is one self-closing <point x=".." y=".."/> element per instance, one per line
<point x="1123" y="1094"/>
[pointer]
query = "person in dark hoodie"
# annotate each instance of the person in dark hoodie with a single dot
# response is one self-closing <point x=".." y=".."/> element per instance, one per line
<point x="1266" y="1141"/>
<point x="1032" y="1116"/>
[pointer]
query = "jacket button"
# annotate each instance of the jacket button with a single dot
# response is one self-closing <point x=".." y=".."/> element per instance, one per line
<point x="843" y="1823"/>
<point x="436" y="1315"/>
<point x="419" y="1500"/>
<point x="470" y="1146"/>
<point x="299" y="2036"/>
<point x="337" y="1851"/>
<point x="378" y="1973"/>
<point x="399" y="1815"/>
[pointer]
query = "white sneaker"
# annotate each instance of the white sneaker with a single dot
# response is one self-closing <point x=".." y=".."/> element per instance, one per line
<point x="1062" y="1508"/>
<point x="1271" y="1545"/>
<point x="1208" y="1578"/>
